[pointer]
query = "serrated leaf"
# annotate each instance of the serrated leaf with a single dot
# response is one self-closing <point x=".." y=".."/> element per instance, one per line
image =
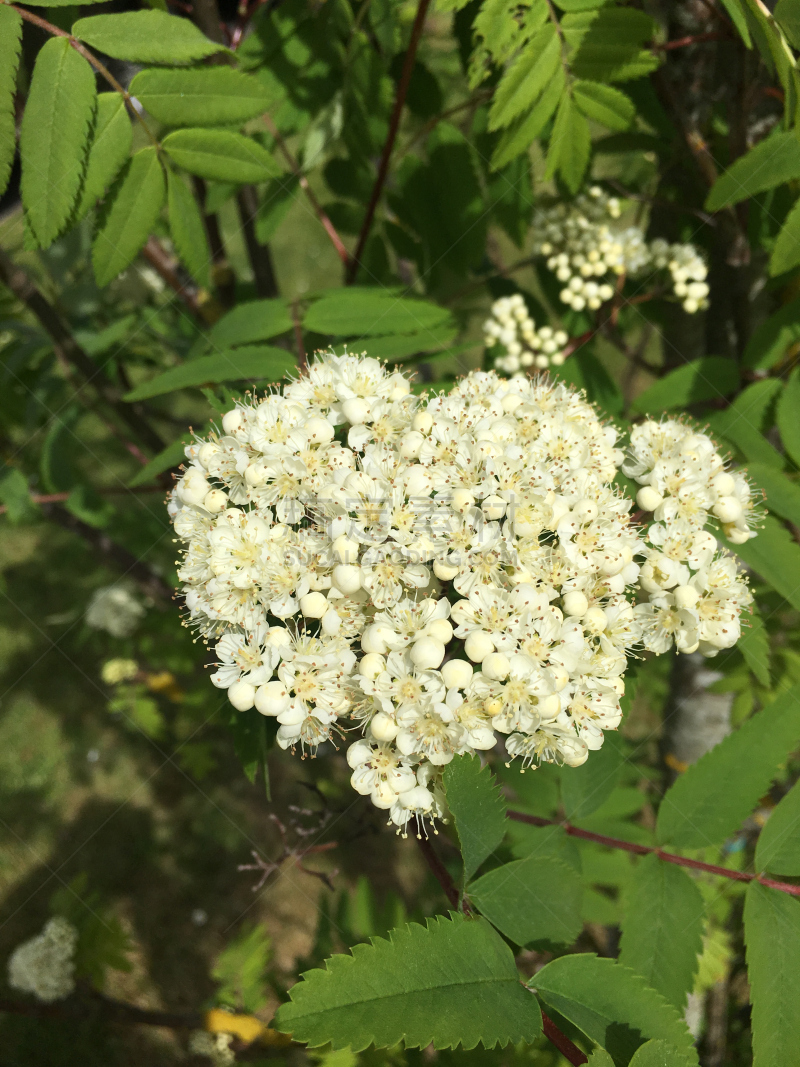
<point x="478" y="809"/>
<point x="662" y="928"/>
<point x="608" y="43"/>
<point x="255" y="320"/>
<point x="211" y="96"/>
<point x="452" y="982"/>
<point x="171" y="456"/>
<point x="526" y="77"/>
<point x="776" y="557"/>
<point x="778" y="847"/>
<point x="702" y="808"/>
<point x="744" y="422"/>
<point x="53" y="138"/>
<point x="770" y="339"/>
<point x="657" y="1054"/>
<point x="146" y="37"/>
<point x="604" y="104"/>
<point x="536" y="899"/>
<point x="703" y="379"/>
<point x="372" y="313"/>
<point x="781" y="496"/>
<point x="772" y="937"/>
<point x="770" y="163"/>
<point x="786" y="253"/>
<point x="788" y="417"/>
<point x="129" y="215"/>
<point x="612" y="1006"/>
<point x="523" y="132"/>
<point x="585" y="788"/>
<point x="10" y="40"/>
<point x="570" y="144"/>
<point x="250" y="362"/>
<point x="754" y="645"/>
<point x="274" y="207"/>
<point x="110" y="146"/>
<point x="220" y="155"/>
<point x="188" y="230"/>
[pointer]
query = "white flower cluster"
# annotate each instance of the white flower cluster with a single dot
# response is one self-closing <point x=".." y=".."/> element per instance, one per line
<point x="114" y="609"/>
<point x="696" y="592"/>
<point x="215" y="1047"/>
<point x="512" y="327"/>
<point x="587" y="252"/>
<point x="320" y="524"/>
<point x="45" y="965"/>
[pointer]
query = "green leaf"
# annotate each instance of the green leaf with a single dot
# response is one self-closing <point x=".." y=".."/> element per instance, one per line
<point x="702" y="379"/>
<point x="220" y="155"/>
<point x="171" y="456"/>
<point x="754" y="645"/>
<point x="604" y="104"/>
<point x="537" y="899"/>
<point x="662" y="928"/>
<point x="608" y="43"/>
<point x="15" y="496"/>
<point x="402" y="346"/>
<point x="372" y="313"/>
<point x="782" y="496"/>
<point x="611" y="1005"/>
<point x="10" y="39"/>
<point x="772" y="937"/>
<point x="478" y="809"/>
<point x="744" y="422"/>
<point x="738" y="17"/>
<point x="53" y="138"/>
<point x="109" y="148"/>
<point x="787" y="14"/>
<point x="129" y="215"/>
<point x="702" y="808"/>
<point x="255" y="320"/>
<point x="146" y="37"/>
<point x="788" y="418"/>
<point x="188" y="230"/>
<point x="274" y="207"/>
<point x="786" y="253"/>
<point x="585" y="788"/>
<point x="778" y="847"/>
<point x="570" y="144"/>
<point x="251" y="362"/>
<point x="211" y="96"/>
<point x="523" y="132"/>
<point x="770" y="340"/>
<point x="241" y="970"/>
<point x="657" y="1054"/>
<point x="526" y="77"/>
<point x="600" y="1058"/>
<point x="770" y="163"/>
<point x="775" y="555"/>
<point x="453" y="982"/>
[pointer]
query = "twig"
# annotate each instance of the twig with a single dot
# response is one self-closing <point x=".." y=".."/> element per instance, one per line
<point x="59" y="498"/>
<point x="394" y="125"/>
<point x="471" y="101"/>
<point x="566" y="1047"/>
<point x="258" y="254"/>
<point x="330" y="229"/>
<point x="646" y="850"/>
<point x="697" y="38"/>
<point x="158" y="258"/>
<point x="68" y="349"/>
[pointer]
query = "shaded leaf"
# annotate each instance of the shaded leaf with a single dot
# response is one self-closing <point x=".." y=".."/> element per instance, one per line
<point x="275" y="203"/>
<point x="782" y="496"/>
<point x="611" y="1005"/>
<point x="585" y="788"/>
<point x="744" y="422"/>
<point x="772" y="937"/>
<point x="788" y="419"/>
<point x="775" y="555"/>
<point x="770" y="339"/>
<point x="701" y="808"/>
<point x="372" y="312"/>
<point x="608" y="42"/>
<point x="754" y="645"/>
<point x="110" y="146"/>
<point x="657" y="1054"/>
<point x="253" y="362"/>
<point x="211" y="96"/>
<point x="171" y="456"/>
<point x="15" y="496"/>
<point x="188" y="230"/>
<point x="568" y="151"/>
<point x="526" y="77"/>
<point x="478" y="810"/>
<point x="129" y="215"/>
<point x="255" y="320"/>
<point x="53" y="137"/>
<point x="770" y="163"/>
<point x="702" y="379"/>
<point x="10" y="40"/>
<point x="523" y="132"/>
<point x="604" y="104"/>
<point x="662" y="927"/>
<point x="452" y="982"/>
<point x="241" y="970"/>
<point x="778" y="847"/>
<point x="146" y="37"/>
<point x="220" y="155"/>
<point x="537" y="899"/>
<point x="786" y="253"/>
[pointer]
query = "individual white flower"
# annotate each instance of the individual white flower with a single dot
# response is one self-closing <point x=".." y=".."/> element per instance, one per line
<point x="45" y="965"/>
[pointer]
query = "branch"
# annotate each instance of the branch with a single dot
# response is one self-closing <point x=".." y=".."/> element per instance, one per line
<point x="697" y="38"/>
<point x="330" y="229"/>
<point x="258" y="254"/>
<point x="394" y="125"/>
<point x="164" y="265"/>
<point x="645" y="850"/>
<point x="566" y="1047"/>
<point x="68" y="349"/>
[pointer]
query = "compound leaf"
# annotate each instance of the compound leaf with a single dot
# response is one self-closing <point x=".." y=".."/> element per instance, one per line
<point x="702" y="808"/>
<point x="604" y="104"/>
<point x="146" y="37"/>
<point x="526" y="77"/>
<point x="211" y="96"/>
<point x="478" y="809"/>
<point x="129" y="215"/>
<point x="778" y="848"/>
<point x="109" y="148"/>
<point x="452" y="982"/>
<point x="220" y="155"/>
<point x="251" y="362"/>
<point x="10" y="40"/>
<point x="772" y="938"/>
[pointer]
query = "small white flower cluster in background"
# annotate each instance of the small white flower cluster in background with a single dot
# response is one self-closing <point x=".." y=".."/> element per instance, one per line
<point x="114" y="609"/>
<point x="215" y="1047"/>
<point x="696" y="592"/>
<point x="587" y="252"/>
<point x="324" y="523"/>
<point x="45" y="965"/>
<point x="512" y="327"/>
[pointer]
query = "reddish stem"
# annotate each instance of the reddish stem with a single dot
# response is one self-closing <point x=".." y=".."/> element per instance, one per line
<point x="394" y="125"/>
<point x="645" y="850"/>
<point x="439" y="871"/>
<point x="566" y="1047"/>
<point x="682" y="42"/>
